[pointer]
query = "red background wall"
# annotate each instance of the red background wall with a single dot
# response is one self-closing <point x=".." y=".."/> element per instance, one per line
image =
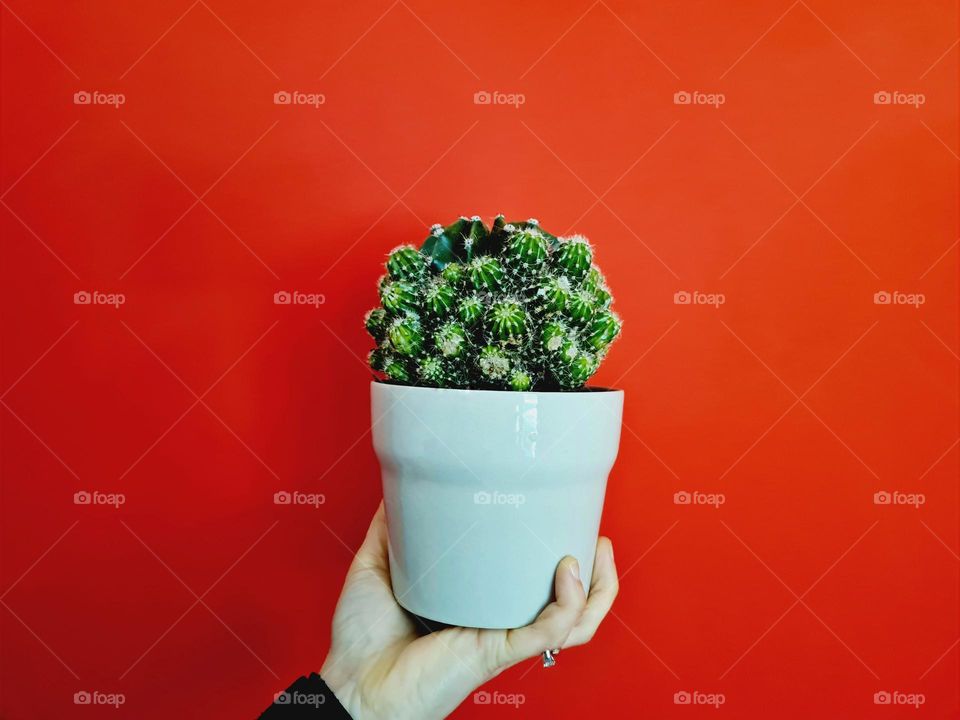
<point x="799" y="398"/>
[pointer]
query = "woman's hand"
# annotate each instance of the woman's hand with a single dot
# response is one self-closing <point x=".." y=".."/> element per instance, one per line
<point x="379" y="666"/>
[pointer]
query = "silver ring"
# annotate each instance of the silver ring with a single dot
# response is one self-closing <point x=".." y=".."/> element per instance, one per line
<point x="548" y="658"/>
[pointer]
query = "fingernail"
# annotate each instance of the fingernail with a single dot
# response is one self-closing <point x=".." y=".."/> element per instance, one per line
<point x="575" y="570"/>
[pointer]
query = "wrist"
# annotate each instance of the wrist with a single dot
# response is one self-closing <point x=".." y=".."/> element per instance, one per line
<point x="340" y="684"/>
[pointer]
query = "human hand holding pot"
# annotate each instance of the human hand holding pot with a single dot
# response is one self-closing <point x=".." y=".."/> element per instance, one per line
<point x="380" y="667"/>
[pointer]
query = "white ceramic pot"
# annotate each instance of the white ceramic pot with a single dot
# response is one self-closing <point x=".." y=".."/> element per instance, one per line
<point x="485" y="492"/>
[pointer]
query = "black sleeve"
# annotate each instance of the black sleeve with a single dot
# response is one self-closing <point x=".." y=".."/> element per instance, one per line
<point x="308" y="698"/>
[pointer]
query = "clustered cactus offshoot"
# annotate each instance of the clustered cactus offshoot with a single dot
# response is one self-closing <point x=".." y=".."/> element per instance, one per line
<point x="511" y="307"/>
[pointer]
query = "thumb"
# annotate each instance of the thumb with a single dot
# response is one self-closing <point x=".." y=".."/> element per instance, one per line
<point x="552" y="626"/>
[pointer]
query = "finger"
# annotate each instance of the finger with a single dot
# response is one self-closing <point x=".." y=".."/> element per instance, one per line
<point x="373" y="551"/>
<point x="603" y="590"/>
<point x="553" y="625"/>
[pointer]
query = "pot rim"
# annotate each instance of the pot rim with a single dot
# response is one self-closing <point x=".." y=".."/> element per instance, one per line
<point x="581" y="392"/>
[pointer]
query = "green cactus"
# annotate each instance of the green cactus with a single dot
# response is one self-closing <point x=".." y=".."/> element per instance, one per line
<point x="507" y="320"/>
<point x="430" y="370"/>
<point x="398" y="295"/>
<point x="604" y="328"/>
<point x="377" y="359"/>
<point x="581" y="306"/>
<point x="485" y="273"/>
<point x="452" y="273"/>
<point x="520" y="380"/>
<point x="470" y="309"/>
<point x="579" y="370"/>
<point x="451" y="339"/>
<point x="406" y="263"/>
<point x="508" y="308"/>
<point x="494" y="363"/>
<point x="575" y="256"/>
<point x="439" y="296"/>
<point x="554" y="335"/>
<point x="395" y="370"/>
<point x="405" y="335"/>
<point x="555" y="292"/>
<point x="376" y="323"/>
<point x="527" y="248"/>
